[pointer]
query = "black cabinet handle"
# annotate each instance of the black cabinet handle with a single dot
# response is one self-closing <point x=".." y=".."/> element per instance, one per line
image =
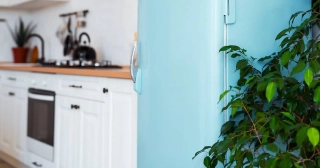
<point x="73" y="106"/>
<point x="12" y="79"/>
<point x="11" y="94"/>
<point x="74" y="86"/>
<point x="36" y="164"/>
<point x="105" y="90"/>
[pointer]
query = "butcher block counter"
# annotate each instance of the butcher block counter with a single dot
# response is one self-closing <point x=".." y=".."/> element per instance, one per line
<point x="123" y="73"/>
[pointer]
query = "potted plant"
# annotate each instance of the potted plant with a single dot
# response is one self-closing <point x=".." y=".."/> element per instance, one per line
<point x="20" y="35"/>
<point x="275" y="111"/>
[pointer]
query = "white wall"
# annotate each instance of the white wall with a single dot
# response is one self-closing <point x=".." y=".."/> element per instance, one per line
<point x="6" y="41"/>
<point x="110" y="23"/>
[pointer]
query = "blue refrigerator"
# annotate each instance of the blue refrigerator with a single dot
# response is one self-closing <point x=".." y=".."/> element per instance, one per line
<point x="179" y="73"/>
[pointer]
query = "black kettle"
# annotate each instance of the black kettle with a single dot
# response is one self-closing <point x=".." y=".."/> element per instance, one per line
<point x="84" y="52"/>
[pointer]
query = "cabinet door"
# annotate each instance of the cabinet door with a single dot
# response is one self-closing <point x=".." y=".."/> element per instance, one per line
<point x="14" y="122"/>
<point x="67" y="133"/>
<point x="8" y="110"/>
<point x="122" y="124"/>
<point x="20" y="125"/>
<point x="91" y="134"/>
<point x="79" y="133"/>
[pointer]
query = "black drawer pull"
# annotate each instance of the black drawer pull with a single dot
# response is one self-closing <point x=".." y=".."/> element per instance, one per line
<point x="12" y="79"/>
<point x="11" y="94"/>
<point x="105" y="90"/>
<point x="74" y="86"/>
<point x="36" y="164"/>
<point x="73" y="106"/>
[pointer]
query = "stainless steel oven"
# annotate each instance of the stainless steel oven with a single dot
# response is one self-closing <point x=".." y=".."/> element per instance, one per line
<point x="41" y="123"/>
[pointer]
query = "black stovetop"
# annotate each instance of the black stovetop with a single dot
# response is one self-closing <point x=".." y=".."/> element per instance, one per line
<point x="79" y="64"/>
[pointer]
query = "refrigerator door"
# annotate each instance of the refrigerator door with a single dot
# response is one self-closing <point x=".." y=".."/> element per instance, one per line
<point x="254" y="26"/>
<point x="181" y="70"/>
<point x="180" y="78"/>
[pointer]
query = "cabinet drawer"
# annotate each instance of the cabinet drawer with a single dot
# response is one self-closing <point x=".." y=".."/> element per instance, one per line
<point x="38" y="162"/>
<point x="16" y="79"/>
<point x="81" y="87"/>
<point x="13" y="92"/>
<point x="86" y="106"/>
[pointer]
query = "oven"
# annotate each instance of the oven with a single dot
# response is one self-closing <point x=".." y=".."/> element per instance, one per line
<point x="40" y="140"/>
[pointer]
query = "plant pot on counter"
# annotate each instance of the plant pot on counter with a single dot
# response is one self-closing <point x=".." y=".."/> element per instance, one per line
<point x="20" y="54"/>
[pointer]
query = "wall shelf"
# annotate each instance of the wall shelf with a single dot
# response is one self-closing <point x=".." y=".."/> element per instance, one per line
<point x="29" y="4"/>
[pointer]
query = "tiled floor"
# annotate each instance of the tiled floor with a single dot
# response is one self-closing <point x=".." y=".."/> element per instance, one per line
<point x="4" y="164"/>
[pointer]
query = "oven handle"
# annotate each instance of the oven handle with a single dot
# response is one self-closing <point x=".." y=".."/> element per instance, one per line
<point x="41" y="97"/>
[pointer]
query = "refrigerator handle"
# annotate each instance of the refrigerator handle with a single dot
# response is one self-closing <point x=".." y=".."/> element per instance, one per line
<point x="132" y="62"/>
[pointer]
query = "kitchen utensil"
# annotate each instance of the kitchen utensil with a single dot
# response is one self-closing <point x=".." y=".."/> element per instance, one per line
<point x="68" y="43"/>
<point x="34" y="54"/>
<point x="62" y="32"/>
<point x="84" y="52"/>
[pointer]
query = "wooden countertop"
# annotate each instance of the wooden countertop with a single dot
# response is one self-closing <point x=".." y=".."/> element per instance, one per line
<point x="99" y="72"/>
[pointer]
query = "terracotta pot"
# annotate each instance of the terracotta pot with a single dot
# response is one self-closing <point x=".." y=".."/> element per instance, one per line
<point x="20" y="54"/>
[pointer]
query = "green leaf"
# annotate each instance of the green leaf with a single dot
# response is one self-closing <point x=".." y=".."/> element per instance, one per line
<point x="285" y="162"/>
<point x="273" y="163"/>
<point x="283" y="33"/>
<point x="234" y="111"/>
<point x="227" y="126"/>
<point x="287" y="114"/>
<point x="301" y="135"/>
<point x="298" y="68"/>
<point x="223" y="94"/>
<point x="249" y="79"/>
<point x="241" y="64"/>
<point x="265" y="137"/>
<point x="314" y="83"/>
<point x="249" y="156"/>
<point x="264" y="58"/>
<point x="274" y="124"/>
<point x="223" y="146"/>
<point x="308" y="77"/>
<point x="315" y="66"/>
<point x="243" y="139"/>
<point x="313" y="136"/>
<point x="285" y="58"/>
<point x="271" y="90"/>
<point x="280" y="83"/>
<point x="315" y="123"/>
<point x="316" y="96"/>
<point x="296" y="165"/>
<point x="224" y="48"/>
<point x="207" y="161"/>
<point x="202" y="150"/>
<point x="262" y="86"/>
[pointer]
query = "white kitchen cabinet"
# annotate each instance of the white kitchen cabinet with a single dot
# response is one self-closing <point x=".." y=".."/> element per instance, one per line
<point x="121" y="107"/>
<point x="4" y="2"/>
<point x="29" y="4"/>
<point x="13" y="117"/>
<point x="79" y="133"/>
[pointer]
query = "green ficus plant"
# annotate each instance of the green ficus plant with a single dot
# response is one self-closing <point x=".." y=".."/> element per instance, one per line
<point x="275" y="110"/>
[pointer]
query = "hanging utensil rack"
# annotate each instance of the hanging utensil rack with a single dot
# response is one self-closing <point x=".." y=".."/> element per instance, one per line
<point x="81" y="13"/>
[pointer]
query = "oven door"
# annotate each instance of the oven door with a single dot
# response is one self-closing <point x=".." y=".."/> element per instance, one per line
<point x="41" y="122"/>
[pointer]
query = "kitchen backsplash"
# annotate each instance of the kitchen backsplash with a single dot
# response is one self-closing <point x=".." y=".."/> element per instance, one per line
<point x="110" y="23"/>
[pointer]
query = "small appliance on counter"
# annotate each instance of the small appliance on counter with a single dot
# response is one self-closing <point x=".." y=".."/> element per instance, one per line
<point x="84" y="52"/>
